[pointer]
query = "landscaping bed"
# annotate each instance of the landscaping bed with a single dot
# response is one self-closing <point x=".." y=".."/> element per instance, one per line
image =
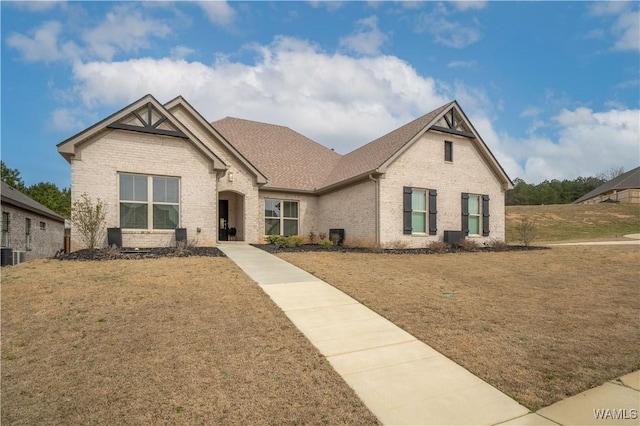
<point x="147" y="253"/>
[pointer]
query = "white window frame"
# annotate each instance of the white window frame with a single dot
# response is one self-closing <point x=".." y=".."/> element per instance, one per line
<point x="150" y="202"/>
<point x="478" y="214"/>
<point x="282" y="217"/>
<point x="424" y="212"/>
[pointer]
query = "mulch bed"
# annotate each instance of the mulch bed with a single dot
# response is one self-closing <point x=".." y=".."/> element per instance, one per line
<point x="275" y="248"/>
<point x="131" y="253"/>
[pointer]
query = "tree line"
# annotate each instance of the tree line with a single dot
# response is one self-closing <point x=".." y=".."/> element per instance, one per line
<point x="46" y="193"/>
<point x="556" y="191"/>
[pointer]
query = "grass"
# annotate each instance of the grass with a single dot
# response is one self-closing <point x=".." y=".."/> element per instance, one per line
<point x="575" y="222"/>
<point x="160" y="341"/>
<point x="539" y="325"/>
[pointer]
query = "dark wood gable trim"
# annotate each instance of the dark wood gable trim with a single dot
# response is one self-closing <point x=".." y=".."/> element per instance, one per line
<point x="453" y="125"/>
<point x="148" y="126"/>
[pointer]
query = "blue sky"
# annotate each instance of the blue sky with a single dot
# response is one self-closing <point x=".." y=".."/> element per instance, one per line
<point x="552" y="87"/>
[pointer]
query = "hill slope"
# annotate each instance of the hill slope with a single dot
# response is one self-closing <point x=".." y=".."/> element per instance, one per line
<point x="573" y="222"/>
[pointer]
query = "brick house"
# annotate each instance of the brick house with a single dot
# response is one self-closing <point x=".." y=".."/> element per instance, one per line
<point x="161" y="167"/>
<point x="30" y="229"/>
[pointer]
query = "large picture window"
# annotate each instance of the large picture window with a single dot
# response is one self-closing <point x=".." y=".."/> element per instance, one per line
<point x="280" y="217"/>
<point x="138" y="210"/>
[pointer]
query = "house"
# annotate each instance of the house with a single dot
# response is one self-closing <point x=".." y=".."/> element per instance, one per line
<point x="161" y="167"/>
<point x="29" y="229"/>
<point x="622" y="189"/>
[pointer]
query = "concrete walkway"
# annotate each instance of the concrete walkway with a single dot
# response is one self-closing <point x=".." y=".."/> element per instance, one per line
<point x="399" y="378"/>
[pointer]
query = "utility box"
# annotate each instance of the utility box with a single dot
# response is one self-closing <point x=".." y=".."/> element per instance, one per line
<point x="114" y="237"/>
<point x="337" y="236"/>
<point x="454" y="237"/>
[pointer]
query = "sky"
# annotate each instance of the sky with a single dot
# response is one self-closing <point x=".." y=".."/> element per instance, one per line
<point x="551" y="87"/>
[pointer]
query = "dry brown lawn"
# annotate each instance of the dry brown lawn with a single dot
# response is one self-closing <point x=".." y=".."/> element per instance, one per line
<point x="168" y="341"/>
<point x="538" y="325"/>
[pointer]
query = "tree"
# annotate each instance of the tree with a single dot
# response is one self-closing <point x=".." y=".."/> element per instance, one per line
<point x="527" y="231"/>
<point x="48" y="194"/>
<point x="611" y="173"/>
<point x="89" y="219"/>
<point x="11" y="177"/>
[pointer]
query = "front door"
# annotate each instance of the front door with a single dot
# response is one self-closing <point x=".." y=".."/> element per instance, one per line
<point x="223" y="220"/>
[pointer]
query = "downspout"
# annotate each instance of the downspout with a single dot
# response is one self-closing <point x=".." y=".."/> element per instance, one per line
<point x="377" y="207"/>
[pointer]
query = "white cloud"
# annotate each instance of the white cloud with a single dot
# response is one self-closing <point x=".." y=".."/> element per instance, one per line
<point x="330" y="5"/>
<point x="367" y="39"/>
<point x="44" y="44"/>
<point x="36" y="6"/>
<point x="123" y="30"/>
<point x="218" y="12"/>
<point x="587" y="143"/>
<point x="625" y="29"/>
<point x="293" y="83"/>
<point x="181" y="52"/>
<point x="66" y="120"/>
<point x="604" y="8"/>
<point x="531" y="112"/>
<point x="447" y="32"/>
<point x="461" y="64"/>
<point x="467" y="5"/>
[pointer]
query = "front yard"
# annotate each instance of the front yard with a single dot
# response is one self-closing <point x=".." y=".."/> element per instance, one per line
<point x="539" y="325"/>
<point x="160" y="341"/>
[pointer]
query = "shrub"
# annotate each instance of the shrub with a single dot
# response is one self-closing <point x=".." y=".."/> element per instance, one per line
<point x="89" y="220"/>
<point x="275" y="239"/>
<point x="438" y="247"/>
<point x="527" y="231"/>
<point x="322" y="235"/>
<point x="293" y="241"/>
<point x="396" y="245"/>
<point x="467" y="244"/>
<point x="313" y="237"/>
<point x="325" y="243"/>
<point x="497" y="245"/>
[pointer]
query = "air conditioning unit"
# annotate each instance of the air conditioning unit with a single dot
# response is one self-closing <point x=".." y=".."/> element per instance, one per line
<point x="19" y="257"/>
<point x="453" y="237"/>
<point x="6" y="256"/>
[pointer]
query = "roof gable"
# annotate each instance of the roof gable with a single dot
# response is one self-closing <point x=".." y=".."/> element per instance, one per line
<point x="10" y="195"/>
<point x="181" y="102"/>
<point x="290" y="160"/>
<point x="146" y="115"/>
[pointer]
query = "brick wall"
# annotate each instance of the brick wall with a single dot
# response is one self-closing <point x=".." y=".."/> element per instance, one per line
<point x="95" y="171"/>
<point x="44" y="242"/>
<point x="307" y="210"/>
<point x="423" y="166"/>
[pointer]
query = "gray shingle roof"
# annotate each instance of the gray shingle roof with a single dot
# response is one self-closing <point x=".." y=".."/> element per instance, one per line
<point x="288" y="159"/>
<point x="12" y="196"/>
<point x="628" y="180"/>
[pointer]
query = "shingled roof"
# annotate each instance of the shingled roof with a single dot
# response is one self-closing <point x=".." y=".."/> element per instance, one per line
<point x="288" y="159"/>
<point x="628" y="180"/>
<point x="292" y="161"/>
<point x="10" y="195"/>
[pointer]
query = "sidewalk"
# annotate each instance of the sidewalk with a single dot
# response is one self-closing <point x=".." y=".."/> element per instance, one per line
<point x="399" y="378"/>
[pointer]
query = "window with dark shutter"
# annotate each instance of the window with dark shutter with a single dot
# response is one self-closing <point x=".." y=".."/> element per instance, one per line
<point x="448" y="151"/>
<point x="465" y="213"/>
<point x="433" y="212"/>
<point x="485" y="215"/>
<point x="406" y="209"/>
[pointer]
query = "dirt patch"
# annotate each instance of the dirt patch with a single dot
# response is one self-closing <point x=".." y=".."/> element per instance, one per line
<point x="158" y="341"/>
<point x="540" y="325"/>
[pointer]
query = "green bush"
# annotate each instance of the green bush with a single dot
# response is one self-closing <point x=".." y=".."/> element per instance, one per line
<point x="325" y="243"/>
<point x="293" y="241"/>
<point x="275" y="239"/>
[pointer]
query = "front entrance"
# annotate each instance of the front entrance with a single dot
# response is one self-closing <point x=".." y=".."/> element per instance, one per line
<point x="223" y="220"/>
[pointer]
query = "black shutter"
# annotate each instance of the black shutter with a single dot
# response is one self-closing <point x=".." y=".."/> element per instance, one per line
<point x="485" y="215"/>
<point x="465" y="213"/>
<point x="433" y="212"/>
<point x="406" y="207"/>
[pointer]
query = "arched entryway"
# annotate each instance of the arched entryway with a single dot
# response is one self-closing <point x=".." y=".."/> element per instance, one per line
<point x="230" y="216"/>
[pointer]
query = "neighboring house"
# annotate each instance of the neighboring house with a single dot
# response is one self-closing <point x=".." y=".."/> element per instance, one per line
<point x="622" y="189"/>
<point x="160" y="167"/>
<point x="29" y="228"/>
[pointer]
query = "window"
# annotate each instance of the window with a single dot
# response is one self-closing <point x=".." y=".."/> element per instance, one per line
<point x="43" y="226"/>
<point x="448" y="151"/>
<point x="475" y="214"/>
<point x="416" y="211"/>
<point x="137" y="211"/>
<point x="5" y="229"/>
<point x="27" y="233"/>
<point x="280" y="217"/>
